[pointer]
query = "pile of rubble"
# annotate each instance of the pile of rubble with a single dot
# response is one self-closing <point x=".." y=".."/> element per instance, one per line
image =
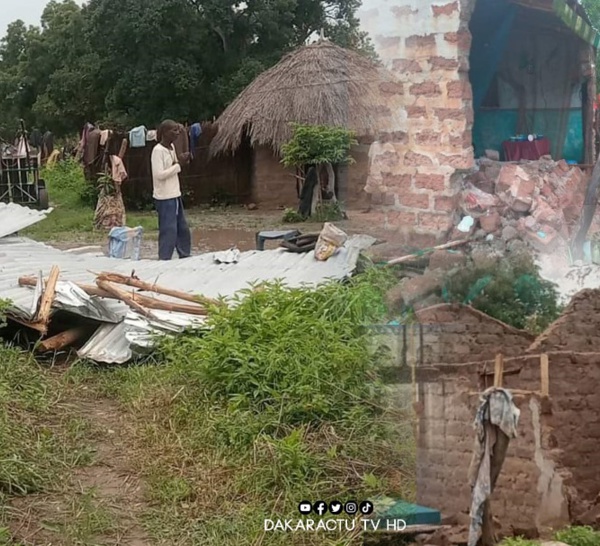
<point x="538" y="201"/>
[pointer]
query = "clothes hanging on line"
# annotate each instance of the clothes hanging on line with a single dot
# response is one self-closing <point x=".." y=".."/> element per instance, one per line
<point x="195" y="133"/>
<point x="137" y="137"/>
<point x="151" y="136"/>
<point x="105" y="135"/>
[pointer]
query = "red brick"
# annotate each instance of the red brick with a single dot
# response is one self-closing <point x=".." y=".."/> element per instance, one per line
<point x="377" y="198"/>
<point x="460" y="162"/>
<point x="459" y="90"/>
<point x="446" y="9"/>
<point x="406" y="65"/>
<point x="389" y="199"/>
<point x="421" y="41"/>
<point x="414" y="200"/>
<point x="428" y="138"/>
<point x="434" y="221"/>
<point x="416" y="111"/>
<point x="401" y="218"/>
<point x="462" y="141"/>
<point x="441" y="63"/>
<point x="461" y="39"/>
<point x="395" y="136"/>
<point x="417" y="160"/>
<point x="444" y="114"/>
<point x="397" y="181"/>
<point x="445" y="204"/>
<point x="425" y="89"/>
<point x="391" y="88"/>
<point x="435" y="182"/>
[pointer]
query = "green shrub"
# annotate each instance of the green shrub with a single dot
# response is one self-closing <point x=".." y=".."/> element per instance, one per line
<point x="518" y="541"/>
<point x="67" y="185"/>
<point x="579" y="536"/>
<point x="291" y="216"/>
<point x="511" y="290"/>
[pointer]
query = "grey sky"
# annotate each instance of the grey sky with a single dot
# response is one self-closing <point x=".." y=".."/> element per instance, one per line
<point x="29" y="11"/>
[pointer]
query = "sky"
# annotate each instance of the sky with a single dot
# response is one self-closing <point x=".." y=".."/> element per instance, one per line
<point x="29" y="11"/>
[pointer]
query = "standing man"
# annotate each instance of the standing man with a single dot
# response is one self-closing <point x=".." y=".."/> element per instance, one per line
<point x="173" y="230"/>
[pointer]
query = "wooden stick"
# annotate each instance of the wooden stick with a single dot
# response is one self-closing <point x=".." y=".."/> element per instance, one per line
<point x="410" y="257"/>
<point x="499" y="371"/>
<point x="62" y="340"/>
<point x="148" y="287"/>
<point x="43" y="315"/>
<point x="125" y="298"/>
<point x="150" y="303"/>
<point x="545" y="373"/>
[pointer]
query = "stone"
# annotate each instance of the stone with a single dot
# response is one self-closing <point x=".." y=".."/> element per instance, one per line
<point x="416" y="289"/>
<point x="484" y="257"/>
<point x="490" y="222"/>
<point x="494" y="155"/>
<point x="544" y="239"/>
<point x="446" y="260"/>
<point x="506" y="177"/>
<point x="509" y="233"/>
<point x="252" y="206"/>
<point x="543" y="213"/>
<point x="394" y="299"/>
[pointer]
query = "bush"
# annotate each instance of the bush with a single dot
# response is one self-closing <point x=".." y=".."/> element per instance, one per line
<point x="518" y="541"/>
<point x="511" y="291"/>
<point x="67" y="185"/>
<point x="579" y="536"/>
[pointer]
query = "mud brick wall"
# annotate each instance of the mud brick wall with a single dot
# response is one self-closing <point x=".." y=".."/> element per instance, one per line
<point x="458" y="333"/>
<point x="274" y="186"/>
<point x="552" y="472"/>
<point x="577" y="329"/>
<point x="426" y="44"/>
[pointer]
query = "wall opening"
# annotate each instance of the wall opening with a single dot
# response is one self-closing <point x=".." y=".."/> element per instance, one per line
<point x="527" y="76"/>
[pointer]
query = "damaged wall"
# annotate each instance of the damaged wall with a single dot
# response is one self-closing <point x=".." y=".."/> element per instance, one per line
<point x="552" y="473"/>
<point x="426" y="44"/>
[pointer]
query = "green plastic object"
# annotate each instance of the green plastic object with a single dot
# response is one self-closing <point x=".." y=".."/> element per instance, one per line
<point x="387" y="509"/>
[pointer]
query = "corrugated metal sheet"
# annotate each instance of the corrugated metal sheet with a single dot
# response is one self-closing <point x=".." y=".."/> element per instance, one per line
<point x="199" y="274"/>
<point x="14" y="218"/>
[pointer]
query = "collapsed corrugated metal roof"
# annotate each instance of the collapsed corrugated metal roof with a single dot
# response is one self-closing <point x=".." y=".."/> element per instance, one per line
<point x="116" y="342"/>
<point x="14" y="218"/>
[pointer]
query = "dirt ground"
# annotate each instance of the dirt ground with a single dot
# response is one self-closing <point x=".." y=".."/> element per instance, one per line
<point x="222" y="229"/>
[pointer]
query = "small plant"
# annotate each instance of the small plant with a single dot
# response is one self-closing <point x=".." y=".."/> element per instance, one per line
<point x="578" y="536"/>
<point x="105" y="183"/>
<point x="290" y="216"/>
<point x="329" y="212"/>
<point x="518" y="541"/>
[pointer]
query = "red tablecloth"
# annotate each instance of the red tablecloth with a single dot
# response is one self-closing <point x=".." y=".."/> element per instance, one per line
<point x="517" y="151"/>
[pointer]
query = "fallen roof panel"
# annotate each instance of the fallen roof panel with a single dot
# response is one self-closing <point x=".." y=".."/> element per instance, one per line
<point x="14" y="218"/>
<point x="21" y="257"/>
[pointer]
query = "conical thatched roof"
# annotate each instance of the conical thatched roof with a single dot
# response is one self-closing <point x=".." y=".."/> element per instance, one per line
<point x="318" y="84"/>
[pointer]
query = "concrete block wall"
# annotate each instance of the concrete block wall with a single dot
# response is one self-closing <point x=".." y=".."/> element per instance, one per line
<point x="426" y="44"/>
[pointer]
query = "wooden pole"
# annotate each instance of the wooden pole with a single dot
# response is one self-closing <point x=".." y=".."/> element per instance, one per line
<point x="411" y="257"/>
<point x="149" y="287"/>
<point x="43" y="316"/>
<point x="146" y="301"/>
<point x="62" y="340"/>
<point x="125" y="298"/>
<point x="499" y="371"/>
<point x="545" y="375"/>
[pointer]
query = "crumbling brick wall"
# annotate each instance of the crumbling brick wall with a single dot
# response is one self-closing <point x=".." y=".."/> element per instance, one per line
<point x="426" y="44"/>
<point x="552" y="473"/>
<point x="459" y="333"/>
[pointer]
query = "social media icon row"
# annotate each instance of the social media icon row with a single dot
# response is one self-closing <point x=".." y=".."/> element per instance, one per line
<point x="335" y="507"/>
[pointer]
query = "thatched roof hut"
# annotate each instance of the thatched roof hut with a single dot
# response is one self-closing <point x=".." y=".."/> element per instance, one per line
<point x="318" y="84"/>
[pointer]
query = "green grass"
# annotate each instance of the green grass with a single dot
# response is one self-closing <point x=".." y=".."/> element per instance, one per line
<point x="279" y="402"/>
<point x="579" y="536"/>
<point x="74" y="202"/>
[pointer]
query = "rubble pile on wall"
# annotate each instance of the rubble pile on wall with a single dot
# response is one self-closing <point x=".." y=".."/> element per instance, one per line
<point x="537" y="201"/>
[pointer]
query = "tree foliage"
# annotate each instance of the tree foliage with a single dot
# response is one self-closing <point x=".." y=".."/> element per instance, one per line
<point x="130" y="62"/>
<point x="315" y="145"/>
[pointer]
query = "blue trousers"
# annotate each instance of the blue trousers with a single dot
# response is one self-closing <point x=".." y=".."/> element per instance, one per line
<point x="173" y="231"/>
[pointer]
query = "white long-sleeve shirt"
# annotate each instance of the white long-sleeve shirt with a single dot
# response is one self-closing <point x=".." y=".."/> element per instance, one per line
<point x="165" y="171"/>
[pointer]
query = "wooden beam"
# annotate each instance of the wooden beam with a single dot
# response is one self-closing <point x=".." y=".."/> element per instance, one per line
<point x="62" y="340"/>
<point x="499" y="371"/>
<point x="42" y="318"/>
<point x="545" y="375"/>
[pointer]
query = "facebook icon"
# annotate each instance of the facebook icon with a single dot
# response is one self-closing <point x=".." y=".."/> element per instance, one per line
<point x="320" y="507"/>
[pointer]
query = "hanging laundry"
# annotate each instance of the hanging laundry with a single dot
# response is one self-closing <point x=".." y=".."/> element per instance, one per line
<point x="195" y="133"/>
<point x="90" y="152"/>
<point x="119" y="174"/>
<point x="151" y="136"/>
<point x="137" y="137"/>
<point x="104" y="136"/>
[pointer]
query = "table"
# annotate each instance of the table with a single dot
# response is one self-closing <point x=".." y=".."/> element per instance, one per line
<point x="532" y="151"/>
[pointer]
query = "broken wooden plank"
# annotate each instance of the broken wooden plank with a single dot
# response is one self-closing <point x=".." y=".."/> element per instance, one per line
<point x="499" y="371"/>
<point x="42" y="318"/>
<point x="62" y="340"/>
<point x="416" y="256"/>
<point x="150" y="287"/>
<point x="125" y="298"/>
<point x="545" y="375"/>
<point x="146" y="301"/>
